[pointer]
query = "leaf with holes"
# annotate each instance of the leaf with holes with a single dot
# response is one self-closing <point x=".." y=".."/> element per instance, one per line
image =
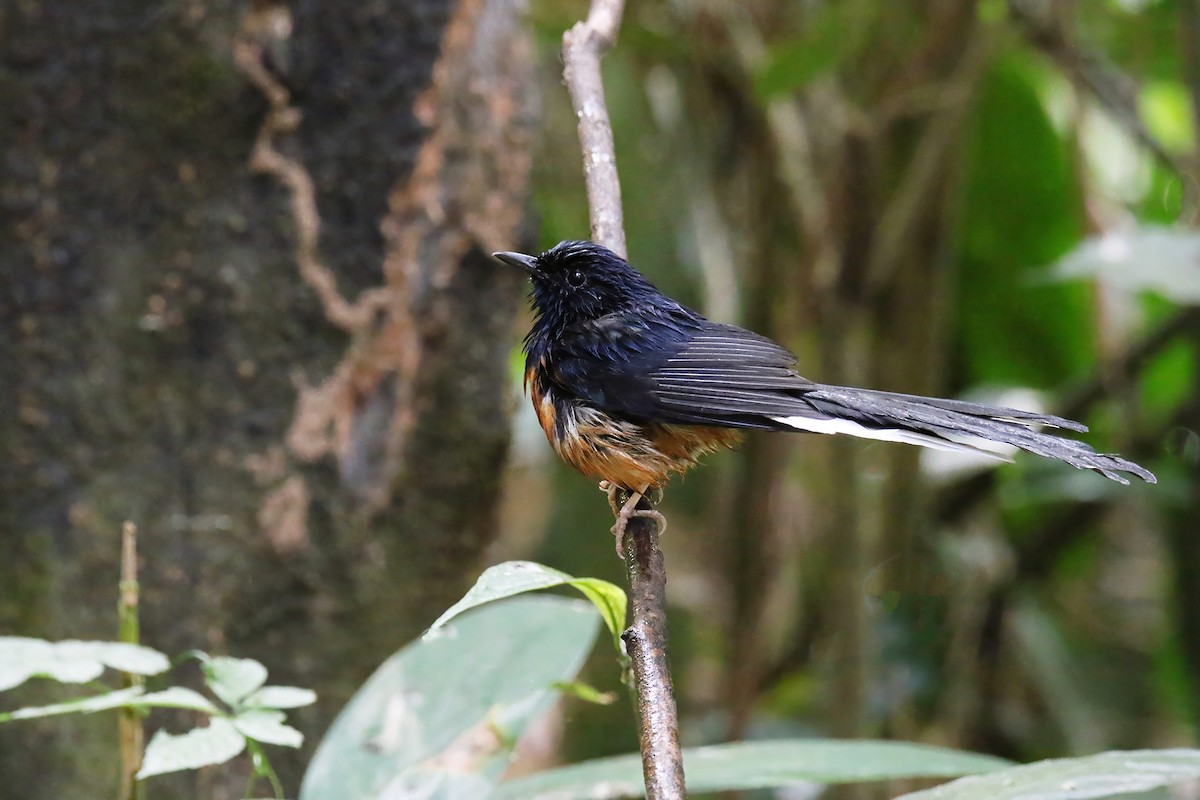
<point x="440" y="718"/>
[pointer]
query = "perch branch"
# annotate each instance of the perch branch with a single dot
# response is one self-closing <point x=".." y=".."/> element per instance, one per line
<point x="583" y="45"/>
<point x="646" y="636"/>
<point x="646" y="641"/>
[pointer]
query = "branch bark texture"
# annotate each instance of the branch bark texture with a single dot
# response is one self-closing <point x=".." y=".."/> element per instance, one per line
<point x="583" y="46"/>
<point x="646" y="638"/>
<point x="646" y="641"/>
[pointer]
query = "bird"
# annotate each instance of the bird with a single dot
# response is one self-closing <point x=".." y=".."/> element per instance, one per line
<point x="632" y="387"/>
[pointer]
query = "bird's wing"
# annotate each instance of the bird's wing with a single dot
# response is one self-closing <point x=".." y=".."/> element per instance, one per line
<point x="727" y="375"/>
<point x="687" y="370"/>
<point x="677" y="369"/>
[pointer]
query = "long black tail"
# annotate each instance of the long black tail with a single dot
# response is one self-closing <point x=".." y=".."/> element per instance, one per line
<point x="944" y="424"/>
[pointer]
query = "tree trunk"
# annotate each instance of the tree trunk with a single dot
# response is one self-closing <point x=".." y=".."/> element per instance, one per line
<point x="245" y="302"/>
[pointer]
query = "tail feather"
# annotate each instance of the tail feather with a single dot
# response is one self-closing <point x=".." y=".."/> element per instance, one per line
<point x="940" y="423"/>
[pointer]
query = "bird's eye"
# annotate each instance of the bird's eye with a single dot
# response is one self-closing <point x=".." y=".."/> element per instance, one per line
<point x="575" y="278"/>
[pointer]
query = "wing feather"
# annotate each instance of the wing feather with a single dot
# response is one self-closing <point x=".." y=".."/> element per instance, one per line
<point x="687" y="370"/>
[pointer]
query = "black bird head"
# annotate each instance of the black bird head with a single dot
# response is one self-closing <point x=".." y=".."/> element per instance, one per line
<point x="580" y="281"/>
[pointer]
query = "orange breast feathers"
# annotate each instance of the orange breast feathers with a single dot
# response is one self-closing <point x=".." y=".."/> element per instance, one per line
<point x="632" y="455"/>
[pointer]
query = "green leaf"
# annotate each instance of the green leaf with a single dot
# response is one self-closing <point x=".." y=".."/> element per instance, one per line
<point x="85" y="705"/>
<point x="453" y="702"/>
<point x="266" y="725"/>
<point x="22" y="658"/>
<point x="515" y="577"/>
<point x="1166" y="107"/>
<point x="1156" y="259"/>
<point x="281" y="697"/>
<point x="234" y="679"/>
<point x="754" y="765"/>
<point x="610" y="600"/>
<point x="123" y="656"/>
<point x="199" y="747"/>
<point x="586" y="693"/>
<point x="436" y="784"/>
<point x="177" y="697"/>
<point x="1103" y="775"/>
<point x="134" y="697"/>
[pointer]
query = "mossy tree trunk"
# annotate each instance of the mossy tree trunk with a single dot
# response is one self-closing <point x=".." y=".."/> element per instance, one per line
<point x="245" y="302"/>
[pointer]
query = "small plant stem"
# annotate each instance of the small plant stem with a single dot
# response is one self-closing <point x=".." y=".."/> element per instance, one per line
<point x="129" y="720"/>
<point x="263" y="769"/>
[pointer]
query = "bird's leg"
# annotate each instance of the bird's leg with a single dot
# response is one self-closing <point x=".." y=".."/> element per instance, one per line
<point x="627" y="510"/>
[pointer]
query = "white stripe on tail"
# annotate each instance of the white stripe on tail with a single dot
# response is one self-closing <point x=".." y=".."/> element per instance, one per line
<point x="833" y="426"/>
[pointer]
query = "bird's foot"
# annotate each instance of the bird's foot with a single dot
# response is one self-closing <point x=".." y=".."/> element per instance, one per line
<point x="653" y="494"/>
<point x="624" y="505"/>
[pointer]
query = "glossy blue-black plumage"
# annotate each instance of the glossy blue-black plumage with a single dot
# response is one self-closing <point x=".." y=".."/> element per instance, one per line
<point x="604" y="336"/>
<point x="599" y="326"/>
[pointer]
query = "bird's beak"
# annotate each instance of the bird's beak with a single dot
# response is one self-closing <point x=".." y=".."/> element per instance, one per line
<point x="521" y="261"/>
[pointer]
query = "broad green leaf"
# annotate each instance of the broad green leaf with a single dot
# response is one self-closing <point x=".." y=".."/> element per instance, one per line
<point x="266" y="725"/>
<point x="1103" y="775"/>
<point x="454" y="701"/>
<point x="1155" y="259"/>
<point x="199" y="747"/>
<point x="433" y="784"/>
<point x="610" y="600"/>
<point x="234" y="679"/>
<point x="22" y="658"/>
<point x="281" y="697"/>
<point x="754" y="765"/>
<point x="85" y="705"/>
<point x="516" y="577"/>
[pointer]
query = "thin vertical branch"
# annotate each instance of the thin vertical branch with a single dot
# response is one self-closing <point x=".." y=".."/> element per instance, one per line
<point x="646" y="638"/>
<point x="646" y="641"/>
<point x="129" y="721"/>
<point x="583" y="46"/>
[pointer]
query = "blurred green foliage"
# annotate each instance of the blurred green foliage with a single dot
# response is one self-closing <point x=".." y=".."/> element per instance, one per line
<point x="1045" y="157"/>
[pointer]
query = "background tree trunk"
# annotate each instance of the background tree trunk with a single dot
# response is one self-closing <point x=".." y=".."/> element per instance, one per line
<point x="245" y="302"/>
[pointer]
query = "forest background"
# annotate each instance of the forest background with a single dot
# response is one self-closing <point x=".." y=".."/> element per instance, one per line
<point x="277" y="344"/>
